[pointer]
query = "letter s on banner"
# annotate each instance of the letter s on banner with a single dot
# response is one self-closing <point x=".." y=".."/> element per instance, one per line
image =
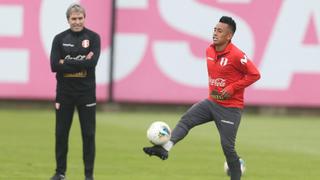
<point x="286" y="54"/>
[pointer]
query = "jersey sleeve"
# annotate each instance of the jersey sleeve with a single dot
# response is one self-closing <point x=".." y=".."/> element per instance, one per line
<point x="55" y="57"/>
<point x="95" y="49"/>
<point x="250" y="73"/>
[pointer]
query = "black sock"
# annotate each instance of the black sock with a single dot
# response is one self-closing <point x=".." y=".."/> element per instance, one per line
<point x="235" y="170"/>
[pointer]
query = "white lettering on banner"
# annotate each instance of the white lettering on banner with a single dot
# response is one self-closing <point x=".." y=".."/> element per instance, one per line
<point x="129" y="4"/>
<point x="235" y="1"/>
<point x="52" y="20"/>
<point x="14" y="66"/>
<point x="14" y="25"/>
<point x="102" y="68"/>
<point x="126" y="58"/>
<point x="14" y="63"/>
<point x="169" y="54"/>
<point x="285" y="54"/>
<point x="176" y="61"/>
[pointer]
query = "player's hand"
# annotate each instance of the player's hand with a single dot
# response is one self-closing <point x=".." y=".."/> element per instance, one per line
<point x="89" y="56"/>
<point x="227" y="92"/>
<point x="61" y="61"/>
<point x="215" y="94"/>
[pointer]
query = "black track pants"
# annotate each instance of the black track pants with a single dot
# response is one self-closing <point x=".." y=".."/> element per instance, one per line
<point x="87" y="117"/>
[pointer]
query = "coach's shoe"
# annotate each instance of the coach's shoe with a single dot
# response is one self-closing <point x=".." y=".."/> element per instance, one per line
<point x="58" y="177"/>
<point x="156" y="151"/>
<point x="89" y="178"/>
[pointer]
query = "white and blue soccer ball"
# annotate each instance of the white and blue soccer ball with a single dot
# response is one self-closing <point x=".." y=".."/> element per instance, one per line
<point x="242" y="167"/>
<point x="159" y="133"/>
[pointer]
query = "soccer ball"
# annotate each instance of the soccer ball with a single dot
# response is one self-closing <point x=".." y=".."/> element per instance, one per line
<point x="242" y="167"/>
<point x="159" y="133"/>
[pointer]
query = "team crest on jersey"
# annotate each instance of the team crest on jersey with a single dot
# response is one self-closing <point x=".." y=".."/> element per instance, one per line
<point x="223" y="61"/>
<point x="85" y="43"/>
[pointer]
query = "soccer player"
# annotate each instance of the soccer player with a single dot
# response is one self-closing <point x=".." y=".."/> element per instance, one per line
<point x="74" y="56"/>
<point x="229" y="73"/>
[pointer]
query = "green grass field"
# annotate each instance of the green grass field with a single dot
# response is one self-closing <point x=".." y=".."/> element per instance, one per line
<point x="274" y="148"/>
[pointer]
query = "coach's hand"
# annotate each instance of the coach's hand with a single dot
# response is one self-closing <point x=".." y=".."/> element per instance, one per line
<point x="216" y="95"/>
<point x="89" y="56"/>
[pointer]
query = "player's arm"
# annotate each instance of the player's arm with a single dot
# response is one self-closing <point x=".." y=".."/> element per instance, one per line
<point x="251" y="75"/>
<point x="92" y="57"/>
<point x="56" y="61"/>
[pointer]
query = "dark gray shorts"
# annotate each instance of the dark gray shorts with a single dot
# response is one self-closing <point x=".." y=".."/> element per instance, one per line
<point x="227" y="121"/>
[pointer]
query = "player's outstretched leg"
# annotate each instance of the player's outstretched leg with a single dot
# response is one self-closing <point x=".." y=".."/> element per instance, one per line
<point x="157" y="151"/>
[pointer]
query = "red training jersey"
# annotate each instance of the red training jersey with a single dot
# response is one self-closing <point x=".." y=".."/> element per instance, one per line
<point x="231" y="70"/>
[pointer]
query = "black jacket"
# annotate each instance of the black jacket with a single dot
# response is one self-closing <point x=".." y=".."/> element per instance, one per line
<point x="76" y="76"/>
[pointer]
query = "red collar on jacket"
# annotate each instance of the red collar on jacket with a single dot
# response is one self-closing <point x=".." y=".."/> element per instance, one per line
<point x="223" y="52"/>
